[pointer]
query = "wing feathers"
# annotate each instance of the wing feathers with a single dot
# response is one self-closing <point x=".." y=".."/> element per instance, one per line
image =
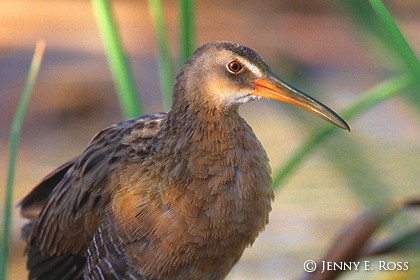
<point x="68" y="205"/>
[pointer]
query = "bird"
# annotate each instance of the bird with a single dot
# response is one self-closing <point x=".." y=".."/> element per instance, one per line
<point x="176" y="195"/>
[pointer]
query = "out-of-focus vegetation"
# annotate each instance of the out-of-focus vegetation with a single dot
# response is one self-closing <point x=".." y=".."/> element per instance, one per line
<point x="13" y="149"/>
<point x="374" y="19"/>
<point x="118" y="63"/>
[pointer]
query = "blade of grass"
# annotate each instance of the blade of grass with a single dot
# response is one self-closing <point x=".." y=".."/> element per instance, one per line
<point x="379" y="93"/>
<point x="120" y="69"/>
<point x="14" y="143"/>
<point x="397" y="38"/>
<point x="364" y="18"/>
<point x="165" y="61"/>
<point x="187" y="28"/>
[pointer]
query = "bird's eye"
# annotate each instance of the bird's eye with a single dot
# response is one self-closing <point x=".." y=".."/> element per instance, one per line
<point x="234" y="66"/>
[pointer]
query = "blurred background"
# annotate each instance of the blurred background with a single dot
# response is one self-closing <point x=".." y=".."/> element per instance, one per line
<point x="319" y="46"/>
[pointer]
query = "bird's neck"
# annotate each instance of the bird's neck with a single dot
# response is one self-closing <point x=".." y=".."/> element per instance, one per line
<point x="205" y="123"/>
<point x="195" y="134"/>
<point x="203" y="143"/>
<point x="194" y="110"/>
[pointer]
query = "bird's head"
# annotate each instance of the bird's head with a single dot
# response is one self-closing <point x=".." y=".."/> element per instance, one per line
<point x="225" y="74"/>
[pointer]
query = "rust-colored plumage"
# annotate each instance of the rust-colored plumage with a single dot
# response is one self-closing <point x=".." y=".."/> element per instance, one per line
<point x="175" y="195"/>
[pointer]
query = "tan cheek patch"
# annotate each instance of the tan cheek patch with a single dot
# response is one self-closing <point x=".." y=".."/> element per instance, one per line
<point x="222" y="91"/>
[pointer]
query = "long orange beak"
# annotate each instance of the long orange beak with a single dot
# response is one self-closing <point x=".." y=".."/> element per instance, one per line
<point x="273" y="88"/>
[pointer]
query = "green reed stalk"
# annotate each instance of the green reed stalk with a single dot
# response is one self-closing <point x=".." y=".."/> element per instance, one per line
<point x="187" y="28"/>
<point x="403" y="49"/>
<point x="14" y="143"/>
<point x="165" y="61"/>
<point x="378" y="94"/>
<point x="118" y="63"/>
